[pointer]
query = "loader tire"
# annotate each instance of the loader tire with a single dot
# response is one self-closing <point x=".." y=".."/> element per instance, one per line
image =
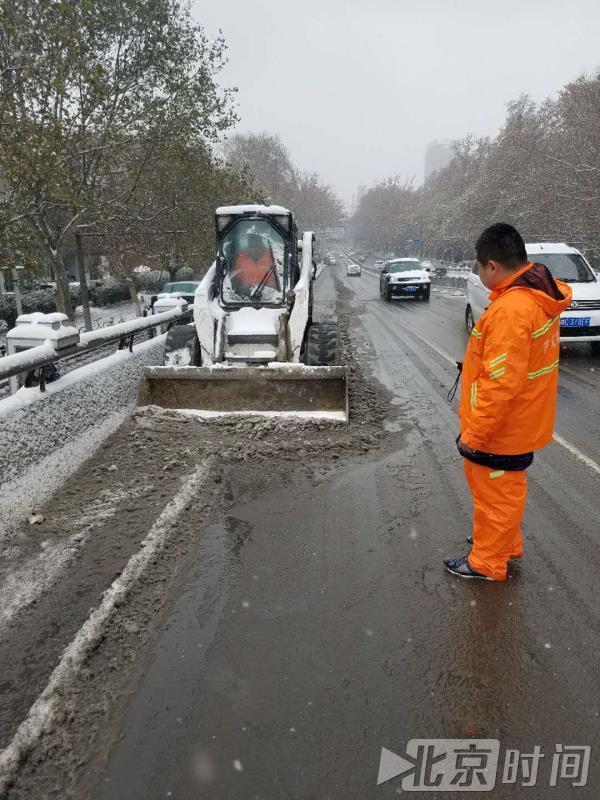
<point x="321" y="344"/>
<point x="181" y="338"/>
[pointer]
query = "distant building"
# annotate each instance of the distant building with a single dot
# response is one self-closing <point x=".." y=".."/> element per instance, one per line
<point x="360" y="193"/>
<point x="437" y="156"/>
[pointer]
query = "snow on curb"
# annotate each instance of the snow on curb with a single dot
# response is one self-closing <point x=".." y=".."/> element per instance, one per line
<point x="26" y="397"/>
<point x="43" y="711"/>
<point x="45" y="436"/>
<point x="28" y="490"/>
<point x="30" y="580"/>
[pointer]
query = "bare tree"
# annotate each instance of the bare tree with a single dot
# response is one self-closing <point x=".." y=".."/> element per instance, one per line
<point x="83" y="84"/>
<point x="266" y="161"/>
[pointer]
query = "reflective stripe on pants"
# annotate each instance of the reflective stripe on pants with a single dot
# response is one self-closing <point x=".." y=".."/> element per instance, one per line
<point x="498" y="505"/>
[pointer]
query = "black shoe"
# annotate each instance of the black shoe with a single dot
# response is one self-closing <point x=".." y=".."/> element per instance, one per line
<point x="460" y="566"/>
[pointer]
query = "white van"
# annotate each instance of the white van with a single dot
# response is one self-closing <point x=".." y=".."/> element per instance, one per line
<point x="581" y="321"/>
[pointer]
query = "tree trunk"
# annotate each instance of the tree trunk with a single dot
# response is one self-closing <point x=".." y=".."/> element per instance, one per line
<point x="85" y="298"/>
<point x="63" y="294"/>
<point x="17" y="290"/>
<point x="134" y="297"/>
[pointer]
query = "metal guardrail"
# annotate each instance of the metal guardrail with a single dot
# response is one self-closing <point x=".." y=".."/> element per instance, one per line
<point x="44" y="354"/>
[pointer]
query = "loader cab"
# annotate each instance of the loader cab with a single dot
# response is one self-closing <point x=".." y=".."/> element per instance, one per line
<point x="257" y="256"/>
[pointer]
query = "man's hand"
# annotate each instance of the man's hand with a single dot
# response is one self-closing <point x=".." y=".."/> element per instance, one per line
<point x="463" y="448"/>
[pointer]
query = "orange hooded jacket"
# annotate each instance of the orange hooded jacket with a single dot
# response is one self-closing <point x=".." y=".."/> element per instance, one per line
<point x="510" y="371"/>
<point x="249" y="270"/>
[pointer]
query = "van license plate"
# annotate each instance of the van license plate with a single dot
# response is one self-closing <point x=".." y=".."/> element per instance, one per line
<point x="575" y="322"/>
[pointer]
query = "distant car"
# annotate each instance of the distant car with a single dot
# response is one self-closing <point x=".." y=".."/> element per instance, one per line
<point x="378" y="264"/>
<point x="354" y="270"/>
<point x="184" y="289"/>
<point x="332" y="261"/>
<point x="404" y="277"/>
<point x="581" y="321"/>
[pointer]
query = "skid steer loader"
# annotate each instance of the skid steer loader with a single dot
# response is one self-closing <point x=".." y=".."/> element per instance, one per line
<point x="254" y="346"/>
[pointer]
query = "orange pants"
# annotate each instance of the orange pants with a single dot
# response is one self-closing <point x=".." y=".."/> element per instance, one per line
<point x="498" y="504"/>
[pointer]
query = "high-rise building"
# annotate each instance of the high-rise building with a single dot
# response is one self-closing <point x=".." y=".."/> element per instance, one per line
<point x="360" y="193"/>
<point x="437" y="156"/>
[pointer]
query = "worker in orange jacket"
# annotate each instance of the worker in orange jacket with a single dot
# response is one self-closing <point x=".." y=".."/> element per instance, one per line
<point x="508" y="397"/>
<point x="254" y="266"/>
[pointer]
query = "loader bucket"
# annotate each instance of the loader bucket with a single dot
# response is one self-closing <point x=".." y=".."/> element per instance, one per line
<point x="292" y="389"/>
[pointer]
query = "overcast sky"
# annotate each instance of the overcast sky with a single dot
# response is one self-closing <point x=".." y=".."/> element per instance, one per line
<point x="356" y="90"/>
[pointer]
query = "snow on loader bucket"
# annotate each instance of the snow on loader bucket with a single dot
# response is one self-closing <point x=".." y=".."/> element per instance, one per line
<point x="289" y="389"/>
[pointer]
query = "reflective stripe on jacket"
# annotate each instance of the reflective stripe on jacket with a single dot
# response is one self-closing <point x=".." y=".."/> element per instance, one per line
<point x="510" y="370"/>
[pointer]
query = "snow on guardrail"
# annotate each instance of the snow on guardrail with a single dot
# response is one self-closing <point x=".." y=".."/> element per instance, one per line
<point x="123" y="329"/>
<point x="45" y="353"/>
<point x="26" y="360"/>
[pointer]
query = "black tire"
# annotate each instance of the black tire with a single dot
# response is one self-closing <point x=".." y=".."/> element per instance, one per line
<point x="469" y="319"/>
<point x="387" y="295"/>
<point x="595" y="346"/>
<point x="181" y="337"/>
<point x="321" y="344"/>
<point x="426" y="294"/>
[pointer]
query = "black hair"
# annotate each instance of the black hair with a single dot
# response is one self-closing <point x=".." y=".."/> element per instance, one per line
<point x="502" y="243"/>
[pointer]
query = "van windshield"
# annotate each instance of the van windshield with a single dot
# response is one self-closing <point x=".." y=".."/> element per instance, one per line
<point x="568" y="267"/>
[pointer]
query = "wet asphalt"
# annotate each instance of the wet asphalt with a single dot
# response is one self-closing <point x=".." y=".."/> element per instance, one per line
<point x="318" y="626"/>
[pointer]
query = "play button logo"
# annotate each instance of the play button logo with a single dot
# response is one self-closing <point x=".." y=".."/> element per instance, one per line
<point x="392" y="766"/>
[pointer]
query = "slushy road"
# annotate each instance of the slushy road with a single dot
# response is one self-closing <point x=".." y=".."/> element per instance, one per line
<point x="282" y="671"/>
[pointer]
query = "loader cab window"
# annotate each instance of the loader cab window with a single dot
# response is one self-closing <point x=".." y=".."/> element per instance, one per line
<point x="253" y="264"/>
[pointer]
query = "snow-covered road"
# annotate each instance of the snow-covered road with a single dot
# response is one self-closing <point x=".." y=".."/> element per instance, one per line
<point x="298" y="619"/>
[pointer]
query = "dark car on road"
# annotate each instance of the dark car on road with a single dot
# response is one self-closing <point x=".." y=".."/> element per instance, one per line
<point x="404" y="277"/>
